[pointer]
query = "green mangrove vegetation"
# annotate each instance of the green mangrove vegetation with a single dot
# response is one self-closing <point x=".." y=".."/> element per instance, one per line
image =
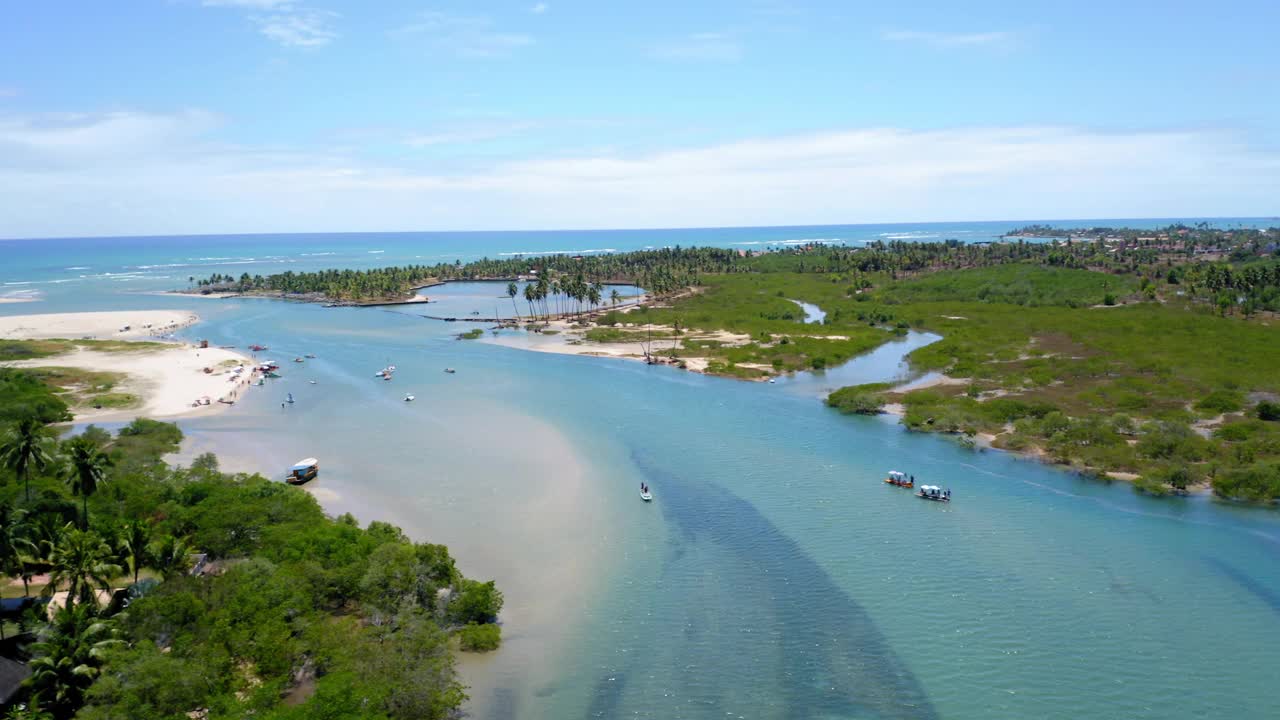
<point x="1139" y="354"/>
<point x="154" y="591"/>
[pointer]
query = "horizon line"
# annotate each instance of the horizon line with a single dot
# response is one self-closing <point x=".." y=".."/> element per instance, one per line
<point x="631" y="229"/>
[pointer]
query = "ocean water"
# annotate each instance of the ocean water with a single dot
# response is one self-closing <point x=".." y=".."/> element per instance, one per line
<point x="774" y="575"/>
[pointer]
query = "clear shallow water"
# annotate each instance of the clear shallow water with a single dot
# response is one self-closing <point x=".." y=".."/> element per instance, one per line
<point x="774" y="575"/>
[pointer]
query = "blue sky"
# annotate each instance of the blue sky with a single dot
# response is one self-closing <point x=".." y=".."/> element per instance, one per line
<point x="167" y="116"/>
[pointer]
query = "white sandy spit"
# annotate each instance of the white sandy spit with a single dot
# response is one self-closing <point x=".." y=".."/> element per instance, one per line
<point x="141" y="324"/>
<point x="171" y="381"/>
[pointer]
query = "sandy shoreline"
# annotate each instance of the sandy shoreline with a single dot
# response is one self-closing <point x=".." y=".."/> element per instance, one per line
<point x="567" y="339"/>
<point x="177" y="380"/>
<point x="116" y="325"/>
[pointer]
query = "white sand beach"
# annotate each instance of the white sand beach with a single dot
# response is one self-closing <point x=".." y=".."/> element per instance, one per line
<point x="171" y="380"/>
<point x="567" y="339"/>
<point x="117" y="325"/>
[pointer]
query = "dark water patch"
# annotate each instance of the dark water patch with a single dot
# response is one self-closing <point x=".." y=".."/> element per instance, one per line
<point x="502" y="707"/>
<point x="607" y="696"/>
<point x="1248" y="582"/>
<point x="828" y="657"/>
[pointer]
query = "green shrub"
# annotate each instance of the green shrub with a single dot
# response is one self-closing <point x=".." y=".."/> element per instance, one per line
<point x="1269" y="411"/>
<point x="480" y="638"/>
<point x="1221" y="401"/>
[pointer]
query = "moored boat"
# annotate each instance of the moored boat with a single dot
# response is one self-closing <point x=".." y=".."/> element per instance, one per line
<point x="303" y="471"/>
<point x="900" y="479"/>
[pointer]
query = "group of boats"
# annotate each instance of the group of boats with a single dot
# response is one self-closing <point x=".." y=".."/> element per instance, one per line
<point x="926" y="492"/>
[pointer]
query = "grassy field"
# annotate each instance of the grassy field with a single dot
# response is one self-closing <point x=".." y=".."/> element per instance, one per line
<point x="759" y="307"/>
<point x="82" y="388"/>
<point x="36" y="349"/>
<point x="1166" y="391"/>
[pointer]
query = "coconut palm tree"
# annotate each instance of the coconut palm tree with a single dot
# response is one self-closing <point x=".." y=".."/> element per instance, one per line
<point x="68" y="658"/>
<point x="25" y="448"/>
<point x="171" y="556"/>
<point x="614" y="297"/>
<point x="16" y="545"/>
<point x="81" y="560"/>
<point x="511" y="293"/>
<point x="86" y="469"/>
<point x="134" y="546"/>
<point x="530" y="294"/>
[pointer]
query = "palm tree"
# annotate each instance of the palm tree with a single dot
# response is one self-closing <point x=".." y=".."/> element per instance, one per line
<point x="171" y="556"/>
<point x="511" y="293"/>
<point x="68" y="658"/>
<point x="134" y="544"/>
<point x="81" y="560"/>
<point x="15" y="544"/>
<point x="26" y="448"/>
<point x="614" y="297"/>
<point x="86" y="469"/>
<point x="530" y="294"/>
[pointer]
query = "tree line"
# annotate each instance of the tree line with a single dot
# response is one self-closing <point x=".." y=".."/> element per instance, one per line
<point x="159" y="592"/>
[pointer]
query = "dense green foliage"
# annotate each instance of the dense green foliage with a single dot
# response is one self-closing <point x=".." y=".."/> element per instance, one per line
<point x="293" y="614"/>
<point x="23" y="395"/>
<point x="865" y="399"/>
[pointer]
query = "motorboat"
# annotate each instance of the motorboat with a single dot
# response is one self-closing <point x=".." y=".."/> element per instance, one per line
<point x="933" y="492"/>
<point x="289" y="399"/>
<point x="450" y="370"/>
<point x="900" y="479"/>
<point x="313" y="382"/>
<point x="303" y="471"/>
<point x="310" y="356"/>
<point x="298" y="359"/>
<point x="408" y="398"/>
<point x="645" y="495"/>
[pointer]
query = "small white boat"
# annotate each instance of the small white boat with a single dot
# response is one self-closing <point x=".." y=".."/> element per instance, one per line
<point x="408" y="398"/>
<point x="646" y="496"/>
<point x="313" y="382"/>
<point x="289" y="399"/>
<point x="450" y="370"/>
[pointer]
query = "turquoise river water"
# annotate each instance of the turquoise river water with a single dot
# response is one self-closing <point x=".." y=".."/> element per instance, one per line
<point x="774" y="575"/>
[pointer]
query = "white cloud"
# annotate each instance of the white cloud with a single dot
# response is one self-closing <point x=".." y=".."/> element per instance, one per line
<point x="465" y="36"/>
<point x="251" y="4"/>
<point x="474" y="133"/>
<point x="122" y="173"/>
<point x="298" y="27"/>
<point x="287" y="22"/>
<point x="949" y="40"/>
<point x="701" y="47"/>
<point x="539" y="8"/>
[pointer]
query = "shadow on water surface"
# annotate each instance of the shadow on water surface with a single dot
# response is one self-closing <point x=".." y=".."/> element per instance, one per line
<point x="831" y="659"/>
<point x="1268" y="596"/>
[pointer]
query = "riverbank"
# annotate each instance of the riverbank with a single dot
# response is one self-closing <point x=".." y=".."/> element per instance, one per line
<point x="125" y="377"/>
